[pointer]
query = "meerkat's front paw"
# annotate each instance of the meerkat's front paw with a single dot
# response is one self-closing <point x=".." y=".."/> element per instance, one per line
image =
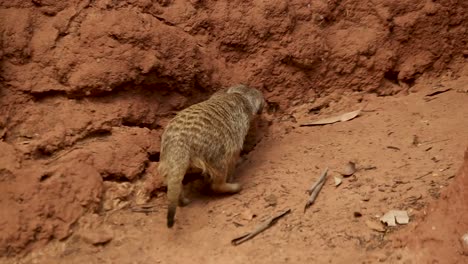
<point x="227" y="188"/>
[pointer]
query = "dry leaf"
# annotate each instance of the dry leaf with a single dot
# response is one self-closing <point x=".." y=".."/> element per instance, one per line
<point x="464" y="239"/>
<point x="375" y="226"/>
<point x="330" y="120"/>
<point x="392" y="217"/>
<point x="348" y="116"/>
<point x="388" y="219"/>
<point x="338" y="180"/>
<point x="401" y="217"/>
<point x="349" y="169"/>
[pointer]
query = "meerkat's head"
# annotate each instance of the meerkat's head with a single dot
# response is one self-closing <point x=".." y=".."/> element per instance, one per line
<point x="254" y="96"/>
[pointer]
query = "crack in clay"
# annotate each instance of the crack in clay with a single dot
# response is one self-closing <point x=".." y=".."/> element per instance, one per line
<point x="44" y="150"/>
<point x="72" y="18"/>
<point x="43" y="95"/>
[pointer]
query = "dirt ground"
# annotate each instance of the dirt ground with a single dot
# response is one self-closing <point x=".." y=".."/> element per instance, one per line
<point x="87" y="86"/>
<point x="407" y="150"/>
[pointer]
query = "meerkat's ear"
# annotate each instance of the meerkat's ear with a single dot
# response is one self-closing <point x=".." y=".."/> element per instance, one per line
<point x="257" y="100"/>
<point x="261" y="105"/>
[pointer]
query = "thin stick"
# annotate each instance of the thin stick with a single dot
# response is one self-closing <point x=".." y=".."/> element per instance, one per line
<point x="313" y="196"/>
<point x="321" y="179"/>
<point x="422" y="176"/>
<point x="60" y="155"/>
<point x="260" y="228"/>
<point x="143" y="208"/>
<point x="438" y="92"/>
<point x="435" y="141"/>
<point x="316" y="189"/>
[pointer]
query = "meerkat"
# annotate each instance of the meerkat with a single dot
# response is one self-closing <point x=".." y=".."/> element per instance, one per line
<point x="207" y="136"/>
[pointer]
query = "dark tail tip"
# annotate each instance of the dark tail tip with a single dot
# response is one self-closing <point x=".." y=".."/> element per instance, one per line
<point x="170" y="216"/>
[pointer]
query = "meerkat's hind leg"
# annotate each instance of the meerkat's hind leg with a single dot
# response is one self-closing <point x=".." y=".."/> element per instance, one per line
<point x="183" y="200"/>
<point x="219" y="184"/>
<point x="232" y="166"/>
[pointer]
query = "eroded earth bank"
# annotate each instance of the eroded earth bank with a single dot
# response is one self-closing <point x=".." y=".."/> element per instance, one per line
<point x="86" y="88"/>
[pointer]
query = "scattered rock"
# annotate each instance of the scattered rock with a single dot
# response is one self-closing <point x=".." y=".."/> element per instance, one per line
<point x="97" y="237"/>
<point x="416" y="142"/>
<point x="248" y="215"/>
<point x="271" y="200"/>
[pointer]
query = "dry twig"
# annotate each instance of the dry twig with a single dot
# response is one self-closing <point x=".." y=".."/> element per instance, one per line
<point x="143" y="208"/>
<point x="322" y="177"/>
<point x="260" y="228"/>
<point x="315" y="189"/>
<point x="438" y="92"/>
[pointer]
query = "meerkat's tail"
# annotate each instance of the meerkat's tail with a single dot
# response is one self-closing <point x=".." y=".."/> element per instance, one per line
<point x="173" y="193"/>
<point x="174" y="169"/>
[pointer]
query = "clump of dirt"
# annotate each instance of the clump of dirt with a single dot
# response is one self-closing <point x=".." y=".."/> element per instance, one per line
<point x="87" y="86"/>
<point x="40" y="203"/>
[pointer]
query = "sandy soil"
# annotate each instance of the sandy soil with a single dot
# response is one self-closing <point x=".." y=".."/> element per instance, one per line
<point x="407" y="150"/>
<point x="87" y="86"/>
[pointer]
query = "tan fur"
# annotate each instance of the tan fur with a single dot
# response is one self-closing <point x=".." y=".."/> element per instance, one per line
<point x="207" y="136"/>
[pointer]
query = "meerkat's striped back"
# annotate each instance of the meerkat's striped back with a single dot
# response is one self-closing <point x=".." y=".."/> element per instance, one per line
<point x="209" y="136"/>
